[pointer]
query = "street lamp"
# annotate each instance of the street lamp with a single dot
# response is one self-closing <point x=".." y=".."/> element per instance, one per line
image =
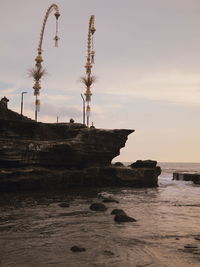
<point x="83" y="108"/>
<point x="22" y="102"/>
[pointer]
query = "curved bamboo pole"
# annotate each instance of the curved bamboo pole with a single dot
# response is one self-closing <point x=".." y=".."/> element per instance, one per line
<point x="38" y="72"/>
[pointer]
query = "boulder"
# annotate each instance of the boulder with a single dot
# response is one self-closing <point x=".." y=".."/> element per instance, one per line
<point x="118" y="164"/>
<point x="123" y="218"/>
<point x="109" y="200"/>
<point x="77" y="249"/>
<point x="144" y="164"/>
<point x="190" y="246"/>
<point x="98" y="207"/>
<point x="187" y="176"/>
<point x="64" y="205"/>
<point x="118" y="212"/>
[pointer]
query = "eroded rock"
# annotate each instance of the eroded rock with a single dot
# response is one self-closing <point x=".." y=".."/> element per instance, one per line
<point x="98" y="207"/>
<point x="77" y="249"/>
<point x="118" y="212"/>
<point x="109" y="200"/>
<point x="64" y="205"/>
<point x="123" y="218"/>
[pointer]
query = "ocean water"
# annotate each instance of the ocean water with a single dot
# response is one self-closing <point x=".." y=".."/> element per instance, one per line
<point x="36" y="231"/>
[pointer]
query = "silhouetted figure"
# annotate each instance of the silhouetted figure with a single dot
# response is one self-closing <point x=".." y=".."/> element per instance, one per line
<point x="4" y="102"/>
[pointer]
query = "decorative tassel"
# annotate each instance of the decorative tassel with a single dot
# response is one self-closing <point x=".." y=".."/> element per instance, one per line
<point x="56" y="39"/>
<point x="88" y="110"/>
<point x="37" y="104"/>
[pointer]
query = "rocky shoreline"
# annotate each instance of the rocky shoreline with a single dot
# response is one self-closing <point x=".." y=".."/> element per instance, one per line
<point x="38" y="178"/>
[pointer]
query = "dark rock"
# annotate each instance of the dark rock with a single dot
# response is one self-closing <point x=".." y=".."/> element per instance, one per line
<point x="98" y="207"/>
<point x="123" y="218"/>
<point x="197" y="238"/>
<point x="109" y="200"/>
<point x="77" y="249"/>
<point x="118" y="164"/>
<point x="187" y="176"/>
<point x="118" y="212"/>
<point x="134" y="177"/>
<point x="24" y="142"/>
<point x="64" y="205"/>
<point x="108" y="253"/>
<point x="190" y="246"/>
<point x="144" y="164"/>
<point x="158" y="170"/>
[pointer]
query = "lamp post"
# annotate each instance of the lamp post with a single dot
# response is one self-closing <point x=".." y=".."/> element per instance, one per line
<point x="83" y="108"/>
<point x="22" y="102"/>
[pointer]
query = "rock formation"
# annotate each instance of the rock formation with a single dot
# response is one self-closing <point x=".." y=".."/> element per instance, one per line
<point x="187" y="176"/>
<point x="39" y="156"/>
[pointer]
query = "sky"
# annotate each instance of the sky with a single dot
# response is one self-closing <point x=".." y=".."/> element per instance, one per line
<point x="147" y="66"/>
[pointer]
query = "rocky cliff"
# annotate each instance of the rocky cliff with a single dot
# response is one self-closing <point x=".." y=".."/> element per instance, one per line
<point x="71" y="146"/>
<point x="46" y="155"/>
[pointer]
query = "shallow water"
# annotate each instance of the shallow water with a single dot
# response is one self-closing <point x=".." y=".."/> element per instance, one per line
<point x="36" y="231"/>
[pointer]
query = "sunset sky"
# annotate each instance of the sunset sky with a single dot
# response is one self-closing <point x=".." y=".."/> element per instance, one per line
<point x="147" y="66"/>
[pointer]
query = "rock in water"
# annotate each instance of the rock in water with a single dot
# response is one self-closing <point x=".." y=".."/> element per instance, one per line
<point x="109" y="200"/>
<point x="118" y="164"/>
<point x="64" y="205"/>
<point x="123" y="218"/>
<point x="144" y="164"/>
<point x="98" y="207"/>
<point x="190" y="246"/>
<point x="77" y="249"/>
<point x="118" y="212"/>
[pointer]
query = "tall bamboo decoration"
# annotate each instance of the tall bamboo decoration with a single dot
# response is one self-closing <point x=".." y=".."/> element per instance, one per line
<point x="89" y="79"/>
<point x="38" y="72"/>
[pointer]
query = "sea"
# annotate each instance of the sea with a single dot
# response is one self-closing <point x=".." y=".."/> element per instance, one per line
<point x="35" y="230"/>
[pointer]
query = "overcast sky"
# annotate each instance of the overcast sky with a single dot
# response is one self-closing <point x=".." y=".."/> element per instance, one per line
<point x="147" y="63"/>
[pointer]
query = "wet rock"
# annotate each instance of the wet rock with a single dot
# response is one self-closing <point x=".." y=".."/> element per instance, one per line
<point x="190" y="246"/>
<point x="77" y="249"/>
<point x="64" y="205"/>
<point x="187" y="176"/>
<point x="118" y="212"/>
<point x="158" y="170"/>
<point x="118" y="164"/>
<point x="144" y="164"/>
<point x="109" y="200"/>
<point x="98" y="207"/>
<point x="108" y="253"/>
<point x="123" y="218"/>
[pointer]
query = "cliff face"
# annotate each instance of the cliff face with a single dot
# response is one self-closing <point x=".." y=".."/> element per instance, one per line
<point x="24" y="142"/>
<point x="58" y="145"/>
<point x="43" y="156"/>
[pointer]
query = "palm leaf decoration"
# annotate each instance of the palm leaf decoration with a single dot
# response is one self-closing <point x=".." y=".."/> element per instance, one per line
<point x="88" y="80"/>
<point x="37" y="73"/>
